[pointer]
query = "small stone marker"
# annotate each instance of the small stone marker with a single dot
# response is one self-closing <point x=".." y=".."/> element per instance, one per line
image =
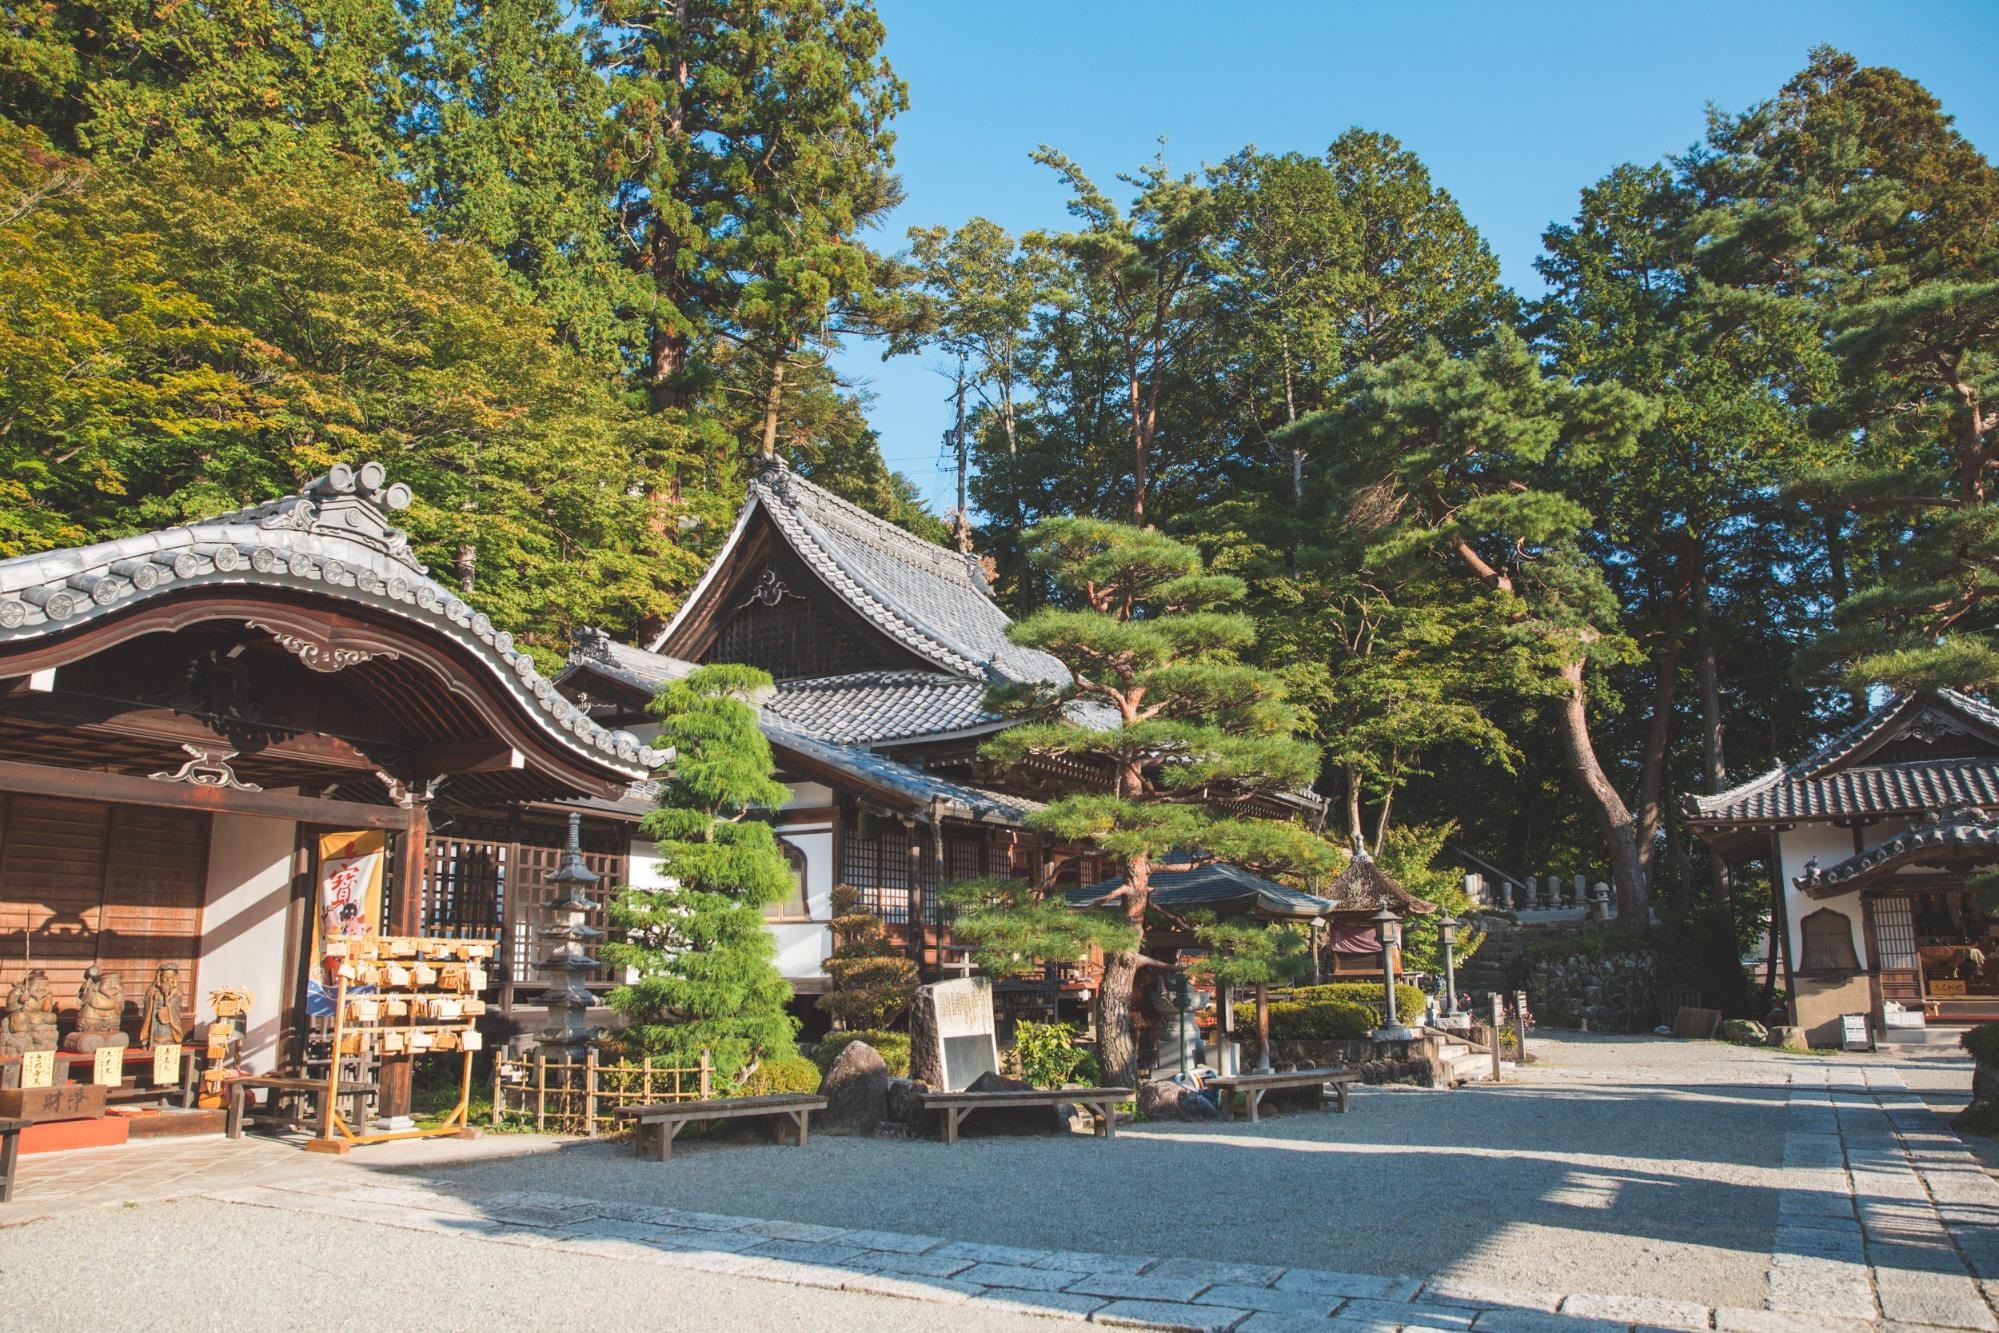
<point x="951" y="1038"/>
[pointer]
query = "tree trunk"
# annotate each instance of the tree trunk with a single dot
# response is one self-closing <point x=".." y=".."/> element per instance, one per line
<point x="1714" y="771"/>
<point x="1355" y="833"/>
<point x="1262" y="1026"/>
<point x="1620" y="830"/>
<point x="1117" y="1040"/>
<point x="1652" y="763"/>
<point x="773" y="401"/>
<point x="466" y="567"/>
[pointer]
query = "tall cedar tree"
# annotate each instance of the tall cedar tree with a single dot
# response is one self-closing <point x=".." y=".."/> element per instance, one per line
<point x="707" y="966"/>
<point x="751" y="141"/>
<point x="1853" y="201"/>
<point x="1160" y="701"/>
<point x="873" y="982"/>
<point x="1439" y="456"/>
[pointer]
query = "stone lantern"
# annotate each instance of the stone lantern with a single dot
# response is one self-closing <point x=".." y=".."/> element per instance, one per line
<point x="1389" y="927"/>
<point x="1447" y="935"/>
<point x="566" y="966"/>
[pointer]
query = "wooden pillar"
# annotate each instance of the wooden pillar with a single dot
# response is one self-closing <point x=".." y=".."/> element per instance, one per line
<point x="405" y="918"/>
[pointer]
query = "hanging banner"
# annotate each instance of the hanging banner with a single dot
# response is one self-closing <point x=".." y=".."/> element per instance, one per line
<point x="348" y="899"/>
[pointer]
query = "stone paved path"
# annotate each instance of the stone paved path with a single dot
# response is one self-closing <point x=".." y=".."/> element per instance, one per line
<point x="1884" y="1220"/>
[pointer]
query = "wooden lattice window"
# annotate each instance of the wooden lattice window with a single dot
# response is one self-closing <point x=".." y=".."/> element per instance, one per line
<point x="1895" y="934"/>
<point x="888" y="864"/>
<point x="1828" y="943"/>
<point x="788" y="639"/>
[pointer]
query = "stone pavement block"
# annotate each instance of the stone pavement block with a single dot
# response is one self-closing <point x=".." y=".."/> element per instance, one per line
<point x="530" y="1214"/>
<point x="1142" y="1287"/>
<point x="1169" y="1315"/>
<point x="713" y="1242"/>
<point x="1269" y="1298"/>
<point x="609" y="1226"/>
<point x="615" y="1247"/>
<point x="1207" y="1270"/>
<point x="713" y="1222"/>
<point x="1364" y="1285"/>
<point x="1271" y="1321"/>
<point x="1484" y="1295"/>
<point x="797" y="1274"/>
<point x="639" y="1212"/>
<point x="714" y="1261"/>
<point x="990" y="1254"/>
<point x="1017" y="1277"/>
<point x="1803" y="1290"/>
<point x="1537" y="1321"/>
<point x="1947" y="1299"/>
<point x="1931" y="1256"/>
<point x="1393" y="1312"/>
<point x="1734" y="1319"/>
<point x="941" y="1290"/>
<point x="1046" y="1304"/>
<point x="917" y="1265"/>
<point x="1647" y="1310"/>
<point x="1086" y="1261"/>
<point x="813" y="1252"/>
<point x="807" y="1231"/>
<point x="894" y="1241"/>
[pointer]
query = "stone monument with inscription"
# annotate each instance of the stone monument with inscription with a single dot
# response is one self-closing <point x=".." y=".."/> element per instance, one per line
<point x="951" y="1039"/>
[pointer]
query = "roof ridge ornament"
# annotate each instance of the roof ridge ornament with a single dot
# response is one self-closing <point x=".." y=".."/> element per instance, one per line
<point x="350" y="502"/>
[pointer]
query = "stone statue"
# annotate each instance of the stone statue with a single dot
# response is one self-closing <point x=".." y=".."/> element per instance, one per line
<point x="161" y="1021"/>
<point x="31" y="1016"/>
<point x="100" y="1013"/>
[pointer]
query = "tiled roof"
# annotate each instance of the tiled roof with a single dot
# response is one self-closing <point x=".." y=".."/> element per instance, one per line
<point x="1218" y="884"/>
<point x="960" y="799"/>
<point x="872" y="706"/>
<point x="1365" y="887"/>
<point x="332" y="540"/>
<point x="645" y="672"/>
<point x="932" y="601"/>
<point x="1817" y="787"/>
<point x="1952" y="832"/>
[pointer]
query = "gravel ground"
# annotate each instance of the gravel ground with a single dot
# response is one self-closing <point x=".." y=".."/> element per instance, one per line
<point x="1616" y="1165"/>
<point x="266" y="1269"/>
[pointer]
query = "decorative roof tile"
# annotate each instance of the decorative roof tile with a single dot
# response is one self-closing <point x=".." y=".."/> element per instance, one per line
<point x="1952" y="833"/>
<point x="1218" y="885"/>
<point x="932" y="601"/>
<point x="1818" y="788"/>
<point x="333" y="539"/>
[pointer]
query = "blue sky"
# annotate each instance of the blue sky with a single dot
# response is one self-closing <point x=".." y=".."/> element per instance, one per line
<point x="1514" y="107"/>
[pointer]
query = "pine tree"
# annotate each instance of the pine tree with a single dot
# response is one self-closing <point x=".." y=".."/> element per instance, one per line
<point x="1160" y="701"/>
<point x="872" y="982"/>
<point x="707" y="967"/>
<point x="1258" y="955"/>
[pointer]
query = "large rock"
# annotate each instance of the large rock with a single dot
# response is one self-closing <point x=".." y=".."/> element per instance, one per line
<point x="1163" y="1099"/>
<point x="1789" y="1039"/>
<point x="951" y="1033"/>
<point x="856" y="1091"/>
<point x="905" y="1102"/>
<point x="1745" y="1032"/>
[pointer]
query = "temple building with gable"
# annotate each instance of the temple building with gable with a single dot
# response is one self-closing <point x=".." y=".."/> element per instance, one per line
<point x="1874" y="841"/>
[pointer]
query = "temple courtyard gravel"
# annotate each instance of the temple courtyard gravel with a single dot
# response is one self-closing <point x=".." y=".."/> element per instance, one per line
<point x="1618" y="1182"/>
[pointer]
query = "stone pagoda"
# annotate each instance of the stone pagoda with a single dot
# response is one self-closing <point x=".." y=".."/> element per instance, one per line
<point x="566" y="966"/>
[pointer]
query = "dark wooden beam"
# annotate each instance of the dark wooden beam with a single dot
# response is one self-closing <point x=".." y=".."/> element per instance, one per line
<point x="90" y="785"/>
<point x="94" y="715"/>
<point x="484" y="755"/>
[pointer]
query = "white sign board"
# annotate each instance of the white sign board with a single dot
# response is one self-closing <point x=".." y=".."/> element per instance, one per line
<point x="1855" y="1035"/>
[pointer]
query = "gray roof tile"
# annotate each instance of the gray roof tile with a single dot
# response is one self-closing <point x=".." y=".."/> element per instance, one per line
<point x="873" y="706"/>
<point x="1218" y="884"/>
<point x="1954" y="831"/>
<point x="1818" y="787"/>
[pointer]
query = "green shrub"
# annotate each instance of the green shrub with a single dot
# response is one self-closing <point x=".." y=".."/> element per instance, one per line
<point x="893" y="1047"/>
<point x="1049" y="1057"/>
<point x="1983" y="1043"/>
<point x="1410" y="1001"/>
<point x="784" y="1073"/>
<point x="1310" y="1020"/>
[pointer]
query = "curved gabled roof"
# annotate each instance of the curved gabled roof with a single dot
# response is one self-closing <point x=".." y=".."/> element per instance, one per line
<point x="1216" y="884"/>
<point x="1832" y="783"/>
<point x="332" y="540"/>
<point x="931" y="601"/>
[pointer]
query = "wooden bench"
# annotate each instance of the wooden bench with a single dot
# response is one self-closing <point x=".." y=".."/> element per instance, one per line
<point x="658" y="1123"/>
<point x="10" y="1155"/>
<point x="1099" y="1102"/>
<point x="1253" y="1086"/>
<point x="236" y="1091"/>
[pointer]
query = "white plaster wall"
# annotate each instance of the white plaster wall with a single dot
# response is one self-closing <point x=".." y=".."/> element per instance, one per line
<point x="1831" y="845"/>
<point x="243" y="923"/>
<point x="801" y="945"/>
